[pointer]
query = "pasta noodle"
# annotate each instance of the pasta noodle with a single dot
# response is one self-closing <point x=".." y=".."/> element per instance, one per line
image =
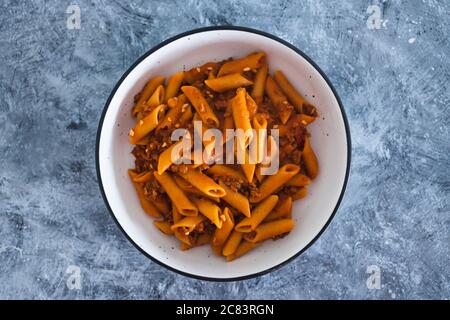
<point x="203" y="183"/>
<point x="243" y="248"/>
<point x="278" y="99"/>
<point x="282" y="210"/>
<point x="259" y="83"/>
<point x="163" y="226"/>
<point x="248" y="167"/>
<point x="258" y="214"/>
<point x="210" y="210"/>
<point x="191" y="190"/>
<point x="241" y="117"/>
<point x="300" y="193"/>
<point x="173" y="85"/>
<point x="247" y="63"/>
<point x="187" y="224"/>
<point x="142" y="177"/>
<point x="200" y="104"/>
<point x="270" y="230"/>
<point x="201" y="240"/>
<point x="148" y="90"/>
<point x="179" y="199"/>
<point x="299" y="180"/>
<point x="146" y="204"/>
<point x="200" y="73"/>
<point x="252" y="107"/>
<point x="156" y="98"/>
<point x="146" y="125"/>
<point x="294" y="97"/>
<point x="310" y="159"/>
<point x="222" y="170"/>
<point x="232" y="243"/>
<point x="236" y="200"/>
<point x="272" y="183"/>
<point x="260" y="126"/>
<point x="228" y="82"/>
<point x="175" y="113"/>
<point x="168" y="157"/>
<point x="221" y="235"/>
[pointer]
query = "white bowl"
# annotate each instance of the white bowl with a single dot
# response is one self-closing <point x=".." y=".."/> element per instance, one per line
<point x="330" y="139"/>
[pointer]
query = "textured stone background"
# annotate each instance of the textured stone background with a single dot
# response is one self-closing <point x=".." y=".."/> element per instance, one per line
<point x="394" y="83"/>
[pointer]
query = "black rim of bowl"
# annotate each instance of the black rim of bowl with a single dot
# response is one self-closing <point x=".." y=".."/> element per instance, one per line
<point x="218" y="28"/>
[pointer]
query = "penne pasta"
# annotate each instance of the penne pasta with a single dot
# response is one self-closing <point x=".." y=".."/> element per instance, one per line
<point x="176" y="215"/>
<point x="221" y="170"/>
<point x="208" y="144"/>
<point x="172" y="102"/>
<point x="299" y="180"/>
<point x="282" y="210"/>
<point x="201" y="240"/>
<point x="260" y="125"/>
<point x="147" y="124"/>
<point x="173" y="116"/>
<point x="146" y="204"/>
<point x="188" y="240"/>
<point x="300" y="193"/>
<point x="221" y="235"/>
<point x="248" y="167"/>
<point x="200" y="73"/>
<point x="185" y="118"/>
<point x="160" y="204"/>
<point x="278" y="99"/>
<point x="170" y="155"/>
<point x="187" y="224"/>
<point x="200" y="104"/>
<point x="270" y="230"/>
<point x="250" y="62"/>
<point x="173" y="85"/>
<point x="252" y="107"/>
<point x="293" y="95"/>
<point x="179" y="199"/>
<point x="259" y="83"/>
<point x="163" y="226"/>
<point x="310" y="159"/>
<point x="228" y="122"/>
<point x="236" y="200"/>
<point x="142" y="177"/>
<point x="307" y="119"/>
<point x="156" y="99"/>
<point x="243" y="248"/>
<point x="228" y="82"/>
<point x="148" y="90"/>
<point x="258" y="174"/>
<point x="191" y="190"/>
<point x="203" y="183"/>
<point x="211" y="75"/>
<point x="232" y="243"/>
<point x="210" y="210"/>
<point x="258" y="214"/>
<point x="241" y="117"/>
<point x="274" y="182"/>
<point x="217" y="249"/>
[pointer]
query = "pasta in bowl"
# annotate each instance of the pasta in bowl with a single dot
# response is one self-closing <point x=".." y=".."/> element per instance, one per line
<point x="224" y="154"/>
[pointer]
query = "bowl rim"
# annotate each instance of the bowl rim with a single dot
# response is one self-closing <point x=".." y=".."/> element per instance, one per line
<point x="219" y="28"/>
